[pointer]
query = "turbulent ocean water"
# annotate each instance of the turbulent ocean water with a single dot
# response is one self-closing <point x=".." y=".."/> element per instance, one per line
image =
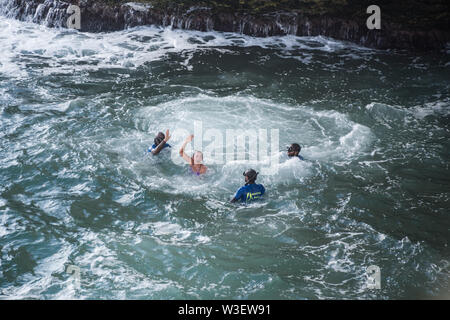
<point x="78" y="112"/>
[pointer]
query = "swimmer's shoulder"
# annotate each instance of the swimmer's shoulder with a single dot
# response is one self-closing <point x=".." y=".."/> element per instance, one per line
<point x="203" y="169"/>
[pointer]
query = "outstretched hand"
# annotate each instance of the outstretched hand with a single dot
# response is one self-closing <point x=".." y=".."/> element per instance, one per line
<point x="182" y="153"/>
<point x="167" y="137"/>
<point x="189" y="138"/>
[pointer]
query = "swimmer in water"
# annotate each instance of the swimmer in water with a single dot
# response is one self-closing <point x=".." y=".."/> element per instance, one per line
<point x="251" y="190"/>
<point x="196" y="161"/>
<point x="294" y="150"/>
<point x="160" y="142"/>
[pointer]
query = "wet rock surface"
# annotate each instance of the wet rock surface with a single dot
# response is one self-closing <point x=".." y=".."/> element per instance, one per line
<point x="98" y="16"/>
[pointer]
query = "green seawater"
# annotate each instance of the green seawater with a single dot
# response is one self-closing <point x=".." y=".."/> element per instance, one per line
<point x="78" y="189"/>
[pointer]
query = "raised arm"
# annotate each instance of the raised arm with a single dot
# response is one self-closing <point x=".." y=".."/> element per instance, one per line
<point x="162" y="143"/>
<point x="182" y="153"/>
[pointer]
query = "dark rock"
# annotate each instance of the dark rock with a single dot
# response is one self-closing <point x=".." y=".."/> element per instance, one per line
<point x="100" y="17"/>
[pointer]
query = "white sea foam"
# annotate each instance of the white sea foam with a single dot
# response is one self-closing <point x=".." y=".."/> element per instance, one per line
<point x="324" y="136"/>
<point x="392" y="116"/>
<point x="66" y="51"/>
<point x="155" y="212"/>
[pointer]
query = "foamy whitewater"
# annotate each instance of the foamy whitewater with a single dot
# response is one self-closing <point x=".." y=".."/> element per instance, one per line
<point x="78" y="189"/>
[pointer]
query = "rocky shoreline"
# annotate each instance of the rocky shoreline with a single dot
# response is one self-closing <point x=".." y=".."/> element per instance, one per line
<point x="98" y="16"/>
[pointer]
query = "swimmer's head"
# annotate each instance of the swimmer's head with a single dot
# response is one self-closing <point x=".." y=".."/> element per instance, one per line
<point x="197" y="158"/>
<point x="159" y="138"/>
<point x="294" y="150"/>
<point x="250" y="176"/>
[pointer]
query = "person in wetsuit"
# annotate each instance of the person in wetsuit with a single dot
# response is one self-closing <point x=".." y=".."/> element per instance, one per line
<point x="160" y="142"/>
<point x="251" y="190"/>
<point x="196" y="161"/>
<point x="294" y="150"/>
